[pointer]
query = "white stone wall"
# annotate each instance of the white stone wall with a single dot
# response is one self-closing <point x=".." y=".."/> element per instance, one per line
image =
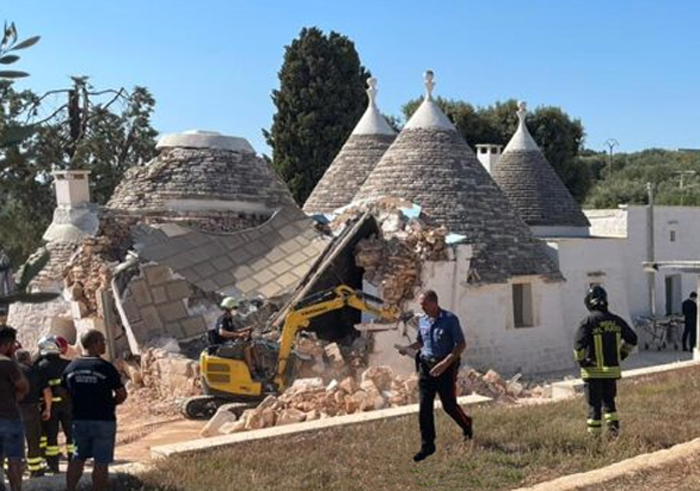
<point x="486" y="315"/>
<point x="587" y="261"/>
<point x="631" y="223"/>
<point x="36" y="320"/>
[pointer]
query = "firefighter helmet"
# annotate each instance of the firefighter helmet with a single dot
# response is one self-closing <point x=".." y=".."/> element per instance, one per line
<point x="49" y="346"/>
<point x="596" y="297"/>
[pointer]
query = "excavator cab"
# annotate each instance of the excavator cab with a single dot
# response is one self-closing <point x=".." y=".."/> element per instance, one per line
<point x="225" y="377"/>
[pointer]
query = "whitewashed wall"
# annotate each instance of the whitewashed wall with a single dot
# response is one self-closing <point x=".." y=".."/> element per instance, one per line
<point x="631" y="222"/>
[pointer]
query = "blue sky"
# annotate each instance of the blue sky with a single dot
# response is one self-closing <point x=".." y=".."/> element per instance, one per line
<point x="628" y="70"/>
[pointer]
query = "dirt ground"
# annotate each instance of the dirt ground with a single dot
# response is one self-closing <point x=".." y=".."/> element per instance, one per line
<point x="140" y="429"/>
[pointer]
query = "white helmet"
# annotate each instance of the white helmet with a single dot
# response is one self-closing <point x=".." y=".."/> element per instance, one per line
<point x="49" y="346"/>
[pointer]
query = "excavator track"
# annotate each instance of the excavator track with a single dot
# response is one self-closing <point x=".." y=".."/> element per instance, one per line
<point x="204" y="407"/>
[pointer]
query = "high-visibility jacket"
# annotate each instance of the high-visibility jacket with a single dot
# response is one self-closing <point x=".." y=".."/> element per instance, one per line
<point x="51" y="367"/>
<point x="602" y="340"/>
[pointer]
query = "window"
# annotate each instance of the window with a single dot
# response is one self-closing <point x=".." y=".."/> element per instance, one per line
<point x="673" y="236"/>
<point x="522" y="305"/>
<point x="483" y="150"/>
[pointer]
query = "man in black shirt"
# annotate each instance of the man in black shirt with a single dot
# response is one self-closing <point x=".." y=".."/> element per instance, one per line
<point x="31" y="410"/>
<point x="231" y="330"/>
<point x="690" y="313"/>
<point x="96" y="389"/>
<point x="13" y="388"/>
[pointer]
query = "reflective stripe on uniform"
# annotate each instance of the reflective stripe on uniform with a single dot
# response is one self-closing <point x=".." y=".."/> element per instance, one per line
<point x="611" y="417"/>
<point x="55" y="381"/>
<point x="35" y="464"/>
<point x="43" y="441"/>
<point x="594" y="425"/>
<point x="52" y="451"/>
<point x="604" y="372"/>
<point x="598" y="344"/>
<point x="56" y="399"/>
<point x="70" y="448"/>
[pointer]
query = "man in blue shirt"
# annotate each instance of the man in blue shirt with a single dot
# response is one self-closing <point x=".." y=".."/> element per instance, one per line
<point x="441" y="343"/>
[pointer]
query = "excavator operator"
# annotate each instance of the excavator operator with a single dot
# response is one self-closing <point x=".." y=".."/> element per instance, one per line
<point x="230" y="331"/>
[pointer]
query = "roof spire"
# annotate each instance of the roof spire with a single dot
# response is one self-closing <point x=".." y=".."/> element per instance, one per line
<point x="429" y="84"/>
<point x="522" y="139"/>
<point x="372" y="90"/>
<point x="522" y="112"/>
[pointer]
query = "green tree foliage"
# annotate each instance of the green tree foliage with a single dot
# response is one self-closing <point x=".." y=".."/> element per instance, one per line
<point x="320" y="99"/>
<point x="631" y="172"/>
<point x="9" y="45"/>
<point x="105" y="132"/>
<point x="559" y="136"/>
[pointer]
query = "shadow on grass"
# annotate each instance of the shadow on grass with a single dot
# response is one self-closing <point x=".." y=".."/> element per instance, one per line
<point x="126" y="482"/>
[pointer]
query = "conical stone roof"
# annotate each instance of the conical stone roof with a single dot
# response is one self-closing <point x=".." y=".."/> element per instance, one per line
<point x="198" y="172"/>
<point x="430" y="164"/>
<point x="532" y="185"/>
<point x="360" y="153"/>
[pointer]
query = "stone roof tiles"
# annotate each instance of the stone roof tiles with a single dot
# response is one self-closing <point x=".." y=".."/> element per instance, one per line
<point x="532" y="186"/>
<point x="430" y="164"/>
<point x="360" y="153"/>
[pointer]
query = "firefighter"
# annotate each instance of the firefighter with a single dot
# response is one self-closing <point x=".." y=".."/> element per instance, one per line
<point x="51" y="365"/>
<point x="602" y="341"/>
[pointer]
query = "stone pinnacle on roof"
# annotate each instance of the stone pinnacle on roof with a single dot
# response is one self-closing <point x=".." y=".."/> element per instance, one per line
<point x="532" y="186"/>
<point x="360" y="153"/>
<point x="429" y="114"/>
<point x="431" y="165"/>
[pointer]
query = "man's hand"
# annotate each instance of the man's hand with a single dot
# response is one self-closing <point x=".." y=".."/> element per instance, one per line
<point x="440" y="368"/>
<point x="46" y="415"/>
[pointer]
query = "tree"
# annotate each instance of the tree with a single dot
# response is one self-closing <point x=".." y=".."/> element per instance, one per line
<point x="559" y="137"/>
<point x="320" y="99"/>
<point x="105" y="132"/>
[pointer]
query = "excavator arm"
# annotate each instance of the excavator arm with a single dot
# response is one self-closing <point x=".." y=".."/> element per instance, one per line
<point x="300" y="316"/>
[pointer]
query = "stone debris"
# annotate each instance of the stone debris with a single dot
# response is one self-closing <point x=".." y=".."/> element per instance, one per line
<point x="393" y="259"/>
<point x="376" y="388"/>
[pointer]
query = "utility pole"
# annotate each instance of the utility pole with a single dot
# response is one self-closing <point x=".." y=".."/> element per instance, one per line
<point x="611" y="143"/>
<point x="684" y="173"/>
<point x="651" y="278"/>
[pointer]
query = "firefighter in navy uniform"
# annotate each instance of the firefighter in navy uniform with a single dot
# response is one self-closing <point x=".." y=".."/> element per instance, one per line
<point x="52" y="365"/>
<point x="602" y="341"/>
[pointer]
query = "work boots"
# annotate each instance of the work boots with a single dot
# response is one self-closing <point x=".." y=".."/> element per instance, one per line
<point x="426" y="450"/>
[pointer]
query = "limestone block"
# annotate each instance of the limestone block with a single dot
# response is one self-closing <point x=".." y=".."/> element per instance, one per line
<point x="306" y="385"/>
<point x="158" y="294"/>
<point x="150" y="318"/>
<point x="229" y="428"/>
<point x="173" y="311"/>
<point x="141" y="293"/>
<point x="291" y="416"/>
<point x="157" y="274"/>
<point x="334" y="355"/>
<point x="381" y="376"/>
<point x="311" y="415"/>
<point x="212" y="428"/>
<point x="348" y="385"/>
<point x="178" y="290"/>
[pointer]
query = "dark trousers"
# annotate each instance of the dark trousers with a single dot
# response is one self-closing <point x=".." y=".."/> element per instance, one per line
<point x="600" y="396"/>
<point x="689" y="334"/>
<point x="31" y="419"/>
<point x="61" y="414"/>
<point x="446" y="387"/>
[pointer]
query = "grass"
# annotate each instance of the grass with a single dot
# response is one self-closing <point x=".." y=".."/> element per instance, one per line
<point x="512" y="447"/>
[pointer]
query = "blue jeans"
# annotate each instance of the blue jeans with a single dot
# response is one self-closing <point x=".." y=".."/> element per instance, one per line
<point x="94" y="440"/>
<point x="12" y="439"/>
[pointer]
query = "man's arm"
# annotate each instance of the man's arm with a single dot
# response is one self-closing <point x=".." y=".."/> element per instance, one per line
<point x="48" y="401"/>
<point x="20" y="382"/>
<point x="629" y="338"/>
<point x="238" y="334"/>
<point x="581" y="342"/>
<point x="120" y="395"/>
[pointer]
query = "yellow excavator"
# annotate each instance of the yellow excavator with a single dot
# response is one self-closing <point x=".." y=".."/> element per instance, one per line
<point x="225" y="377"/>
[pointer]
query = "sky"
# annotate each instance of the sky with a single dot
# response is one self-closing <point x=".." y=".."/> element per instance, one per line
<point x="628" y="69"/>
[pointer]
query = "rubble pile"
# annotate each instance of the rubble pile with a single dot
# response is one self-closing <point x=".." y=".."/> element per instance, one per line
<point x="393" y="259"/>
<point x="87" y="272"/>
<point x="377" y="388"/>
<point x="330" y="360"/>
<point x="161" y="379"/>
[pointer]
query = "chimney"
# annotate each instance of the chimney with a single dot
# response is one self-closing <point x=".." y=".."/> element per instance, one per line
<point x="488" y="155"/>
<point x="72" y="187"/>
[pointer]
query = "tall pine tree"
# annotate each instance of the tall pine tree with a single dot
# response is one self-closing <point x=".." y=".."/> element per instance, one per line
<point x="320" y="99"/>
